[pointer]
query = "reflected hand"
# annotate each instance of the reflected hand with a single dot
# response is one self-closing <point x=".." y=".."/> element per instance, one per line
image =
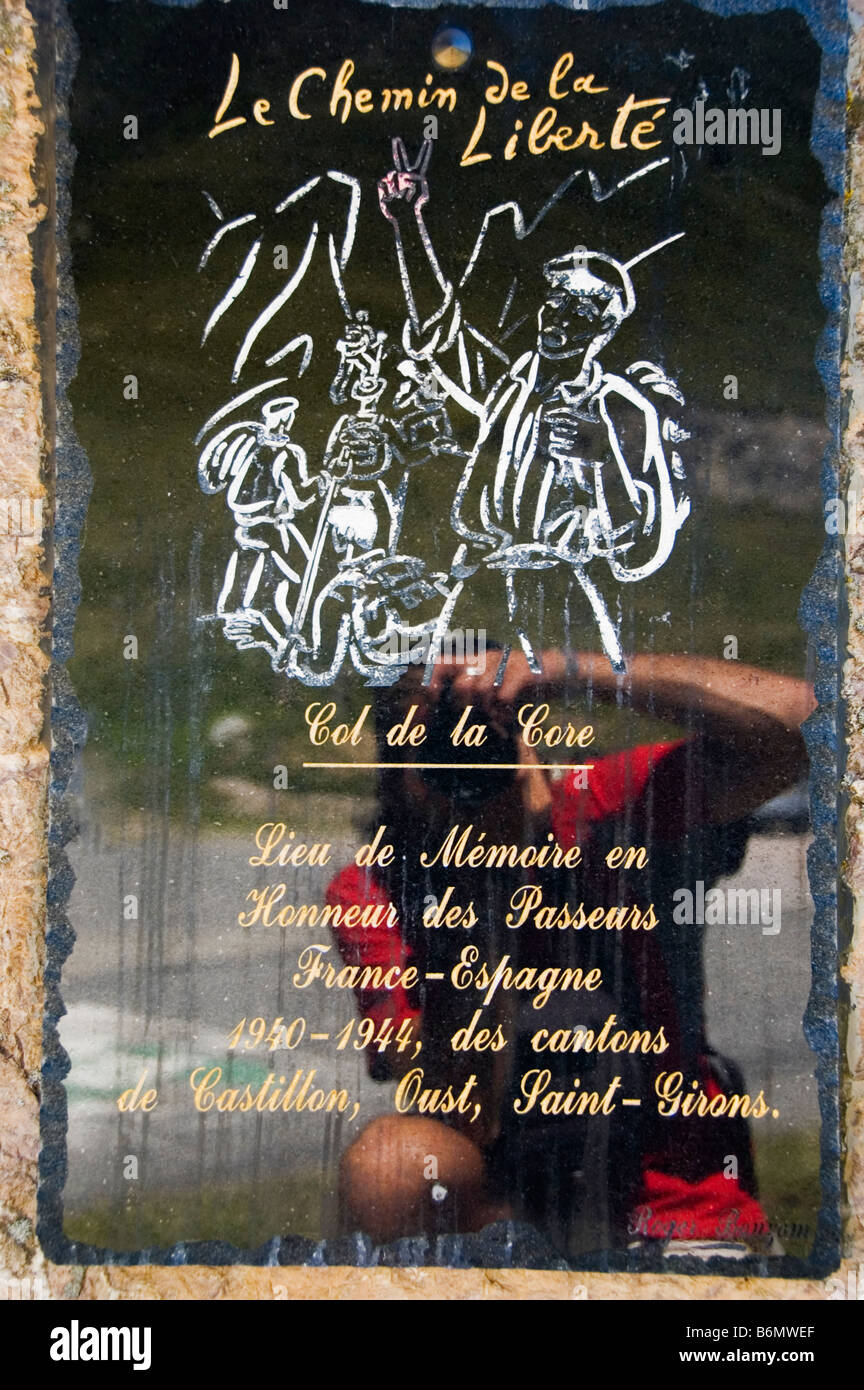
<point x="467" y="684"/>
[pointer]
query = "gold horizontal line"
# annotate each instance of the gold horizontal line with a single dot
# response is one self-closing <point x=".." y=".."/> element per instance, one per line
<point x="465" y="767"/>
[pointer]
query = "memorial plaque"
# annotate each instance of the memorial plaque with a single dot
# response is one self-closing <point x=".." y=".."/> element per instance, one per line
<point x="446" y="645"/>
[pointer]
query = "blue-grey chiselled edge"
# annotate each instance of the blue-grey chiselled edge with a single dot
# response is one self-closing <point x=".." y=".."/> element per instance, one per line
<point x="507" y="1245"/>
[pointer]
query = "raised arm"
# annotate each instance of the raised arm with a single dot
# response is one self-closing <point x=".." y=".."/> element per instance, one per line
<point x="402" y="195"/>
<point x="746" y="743"/>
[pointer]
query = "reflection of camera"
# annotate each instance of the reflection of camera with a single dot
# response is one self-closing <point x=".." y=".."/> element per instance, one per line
<point x="466" y="784"/>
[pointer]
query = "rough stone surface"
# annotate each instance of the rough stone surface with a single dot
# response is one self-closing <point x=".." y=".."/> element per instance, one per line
<point x="23" y="781"/>
<point x="853" y="463"/>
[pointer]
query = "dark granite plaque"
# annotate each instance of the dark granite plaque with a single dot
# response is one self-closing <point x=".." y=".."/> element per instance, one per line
<point x="448" y="414"/>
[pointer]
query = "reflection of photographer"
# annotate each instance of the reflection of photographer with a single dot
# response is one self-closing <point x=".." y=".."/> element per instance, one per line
<point x="580" y="1175"/>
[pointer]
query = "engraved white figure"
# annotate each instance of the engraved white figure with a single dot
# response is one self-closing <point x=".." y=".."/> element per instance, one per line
<point x="569" y="465"/>
<point x="267" y="484"/>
